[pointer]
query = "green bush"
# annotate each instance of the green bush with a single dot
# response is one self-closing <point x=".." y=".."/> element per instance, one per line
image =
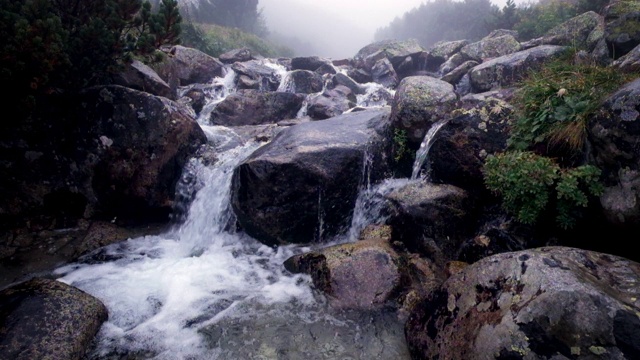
<point x="64" y="45"/>
<point x="554" y="103"/>
<point x="529" y="183"/>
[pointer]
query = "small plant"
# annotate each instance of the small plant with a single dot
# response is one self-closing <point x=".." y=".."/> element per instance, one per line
<point x="400" y="149"/>
<point x="529" y="183"/>
<point x="555" y="103"/>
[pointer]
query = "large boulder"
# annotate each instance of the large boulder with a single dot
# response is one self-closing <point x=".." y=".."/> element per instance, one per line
<point x="265" y="77"/>
<point x="490" y="47"/>
<point x="142" y="77"/>
<point x="254" y="107"/>
<point x="49" y="320"/>
<point x="383" y="73"/>
<point x="393" y="50"/>
<point x="630" y="62"/>
<point x="583" y="32"/>
<point x="615" y="134"/>
<point x="478" y="128"/>
<point x="443" y="50"/>
<point x="331" y="103"/>
<point x="236" y="55"/>
<point x="443" y="213"/>
<point x="622" y="27"/>
<point x="137" y="145"/>
<point x="302" y="82"/>
<point x="507" y="70"/>
<point x="302" y="186"/>
<point x="309" y="63"/>
<point x="343" y="272"/>
<point x="419" y="102"/>
<point x="189" y="66"/>
<point x="545" y="303"/>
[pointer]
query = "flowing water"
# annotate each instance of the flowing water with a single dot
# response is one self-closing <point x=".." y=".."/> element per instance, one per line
<point x="204" y="291"/>
<point x="423" y="151"/>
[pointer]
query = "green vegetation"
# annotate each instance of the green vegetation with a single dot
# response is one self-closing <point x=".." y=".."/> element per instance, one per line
<point x="64" y="45"/>
<point x="555" y="102"/>
<point x="216" y="40"/>
<point x="529" y="183"/>
<point x="400" y="149"/>
<point x="553" y="107"/>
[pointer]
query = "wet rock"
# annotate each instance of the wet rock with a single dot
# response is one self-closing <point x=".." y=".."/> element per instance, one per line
<point x="477" y="129"/>
<point x="551" y="302"/>
<point x="630" y="62"/>
<point x="236" y="55"/>
<point x="489" y="48"/>
<point x="443" y="213"/>
<point x="309" y="63"/>
<point x="331" y="103"/>
<point x="622" y="27"/>
<point x="47" y="319"/>
<point x="507" y="70"/>
<point x="393" y="50"/>
<point x="326" y="69"/>
<point x="583" y="32"/>
<point x="256" y="71"/>
<point x="304" y="82"/>
<point x="419" y="102"/>
<point x="614" y="134"/>
<point x="189" y="66"/>
<point x="254" y="107"/>
<point x="343" y="272"/>
<point x="452" y="63"/>
<point x="383" y="73"/>
<point x="454" y="76"/>
<point x="345" y="80"/>
<point x="142" y="77"/>
<point x="137" y="145"/>
<point x="360" y="75"/>
<point x="444" y="50"/>
<point x="302" y="186"/>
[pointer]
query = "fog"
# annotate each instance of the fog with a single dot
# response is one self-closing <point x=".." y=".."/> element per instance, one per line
<point x="332" y="28"/>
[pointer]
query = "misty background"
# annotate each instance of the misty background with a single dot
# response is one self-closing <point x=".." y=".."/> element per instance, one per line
<point x="338" y="28"/>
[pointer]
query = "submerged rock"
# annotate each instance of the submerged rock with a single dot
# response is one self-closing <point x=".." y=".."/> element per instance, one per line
<point x="47" y="319"/>
<point x="545" y="303"/>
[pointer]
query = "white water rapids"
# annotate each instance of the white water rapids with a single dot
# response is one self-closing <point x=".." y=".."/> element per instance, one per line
<point x="201" y="291"/>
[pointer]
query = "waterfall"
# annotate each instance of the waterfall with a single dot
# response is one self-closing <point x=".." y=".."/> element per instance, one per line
<point x="205" y="291"/>
<point x="423" y="151"/>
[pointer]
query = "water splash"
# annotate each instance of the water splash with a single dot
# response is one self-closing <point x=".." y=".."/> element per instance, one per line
<point x="423" y="151"/>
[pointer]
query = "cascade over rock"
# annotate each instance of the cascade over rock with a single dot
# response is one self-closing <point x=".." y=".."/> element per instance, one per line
<point x="302" y="186"/>
<point x="551" y="302"/>
<point x="477" y="129"/>
<point x="47" y="319"/>
<point x="419" y="102"/>
<point x="255" y="70"/>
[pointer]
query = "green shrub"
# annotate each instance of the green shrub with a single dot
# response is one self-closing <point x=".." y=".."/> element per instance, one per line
<point x="400" y="149"/>
<point x="529" y="183"/>
<point x="62" y="46"/>
<point x="555" y="102"/>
